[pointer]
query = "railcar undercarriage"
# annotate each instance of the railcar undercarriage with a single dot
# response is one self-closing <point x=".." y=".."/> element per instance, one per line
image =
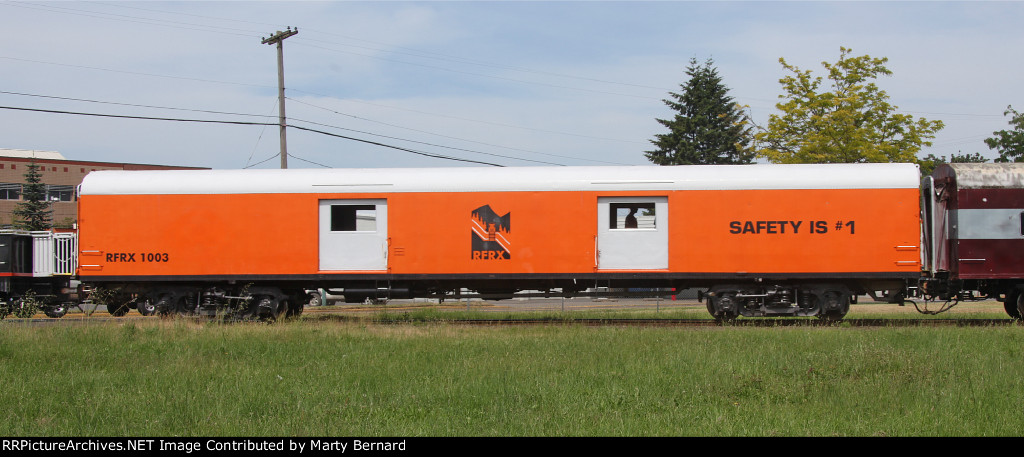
<point x="1008" y="291"/>
<point x="27" y="296"/>
<point x="242" y="302"/>
<point x="826" y="301"/>
<point x="269" y="301"/>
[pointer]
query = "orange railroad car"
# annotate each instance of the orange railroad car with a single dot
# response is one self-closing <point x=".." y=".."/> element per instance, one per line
<point x="764" y="239"/>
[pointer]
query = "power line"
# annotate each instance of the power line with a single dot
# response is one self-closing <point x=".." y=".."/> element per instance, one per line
<point x="205" y="28"/>
<point x="262" y="86"/>
<point x="308" y="161"/>
<point x="452" y="70"/>
<point x="427" y="154"/>
<point x="258" y="138"/>
<point x="184" y="78"/>
<point x="122" y="116"/>
<point x="949" y="114"/>
<point x="120" y="4"/>
<point x="125" y="18"/>
<point x="428" y="144"/>
<point x="262" y="161"/>
<point x="478" y="121"/>
<point x="300" y="120"/>
<point x="445" y="136"/>
<point x="54" y="97"/>
<point x="410" y="51"/>
<point x="418" y="53"/>
<point x="125" y="116"/>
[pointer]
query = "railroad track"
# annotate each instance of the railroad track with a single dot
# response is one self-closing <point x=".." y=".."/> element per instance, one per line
<point x="751" y="322"/>
<point x="340" y="317"/>
<point x="901" y="322"/>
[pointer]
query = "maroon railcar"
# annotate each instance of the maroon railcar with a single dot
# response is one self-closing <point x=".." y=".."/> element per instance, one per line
<point x="973" y="232"/>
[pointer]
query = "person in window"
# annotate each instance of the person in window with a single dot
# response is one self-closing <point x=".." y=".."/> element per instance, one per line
<point x="631" y="218"/>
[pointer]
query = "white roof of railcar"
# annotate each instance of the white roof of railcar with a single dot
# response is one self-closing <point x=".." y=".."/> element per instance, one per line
<point x="479" y="179"/>
<point x="987" y="175"/>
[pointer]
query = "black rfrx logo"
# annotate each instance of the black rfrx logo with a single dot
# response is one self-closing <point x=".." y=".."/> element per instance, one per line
<point x="490" y="234"/>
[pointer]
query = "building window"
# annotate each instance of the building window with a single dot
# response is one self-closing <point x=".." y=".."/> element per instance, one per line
<point x="60" y="193"/>
<point x="10" y="191"/>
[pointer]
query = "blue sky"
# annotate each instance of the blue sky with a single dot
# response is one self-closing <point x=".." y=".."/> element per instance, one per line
<point x="509" y="83"/>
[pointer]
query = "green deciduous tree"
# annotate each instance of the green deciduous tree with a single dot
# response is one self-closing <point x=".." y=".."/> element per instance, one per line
<point x="708" y="128"/>
<point x="34" y="212"/>
<point x="929" y="163"/>
<point x="852" y="121"/>
<point x="1010" y="144"/>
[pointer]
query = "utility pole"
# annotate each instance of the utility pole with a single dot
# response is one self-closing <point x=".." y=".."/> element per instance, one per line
<point x="278" y="38"/>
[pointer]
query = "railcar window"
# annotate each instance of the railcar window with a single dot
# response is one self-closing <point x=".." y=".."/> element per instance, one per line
<point x="353" y="218"/>
<point x="632" y="216"/>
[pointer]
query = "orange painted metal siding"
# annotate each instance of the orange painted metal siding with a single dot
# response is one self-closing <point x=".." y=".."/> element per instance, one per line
<point x="551" y="232"/>
<point x="200" y="234"/>
<point x="885" y="231"/>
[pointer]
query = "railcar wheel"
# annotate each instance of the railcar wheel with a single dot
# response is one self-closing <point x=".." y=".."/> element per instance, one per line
<point x="726" y="318"/>
<point x="184" y="306"/>
<point x="295" y="309"/>
<point x="248" y="308"/>
<point x="835" y="305"/>
<point x="1012" y="304"/>
<point x="725" y="311"/>
<point x="1016" y="311"/>
<point x="118" y="308"/>
<point x="283" y="310"/>
<point x="268" y="308"/>
<point x="56" y="311"/>
<point x="832" y="316"/>
<point x="146" y="307"/>
<point x="163" y="306"/>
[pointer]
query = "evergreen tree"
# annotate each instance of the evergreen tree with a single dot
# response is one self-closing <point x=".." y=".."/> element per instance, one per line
<point x="709" y="127"/>
<point x="34" y="212"/>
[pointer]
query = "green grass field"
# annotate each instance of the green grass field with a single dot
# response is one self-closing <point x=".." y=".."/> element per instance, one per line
<point x="326" y="378"/>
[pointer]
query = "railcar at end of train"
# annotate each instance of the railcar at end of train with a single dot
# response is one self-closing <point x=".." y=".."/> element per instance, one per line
<point x="765" y="240"/>
<point x="973" y="233"/>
